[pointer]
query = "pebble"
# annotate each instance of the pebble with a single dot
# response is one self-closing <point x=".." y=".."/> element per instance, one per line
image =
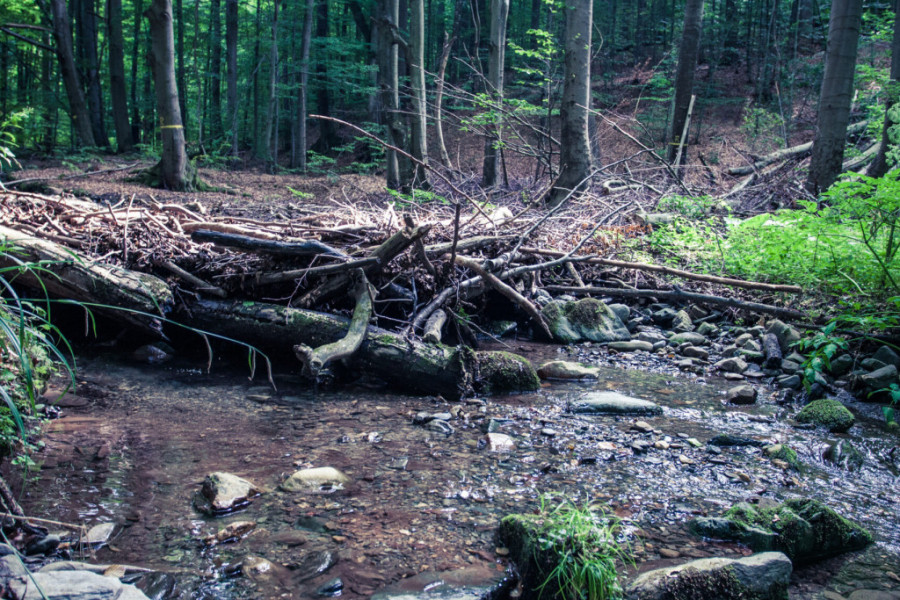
<point x="642" y="426"/>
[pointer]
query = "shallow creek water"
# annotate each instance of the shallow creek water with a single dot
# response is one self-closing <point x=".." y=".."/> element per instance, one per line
<point x="141" y="444"/>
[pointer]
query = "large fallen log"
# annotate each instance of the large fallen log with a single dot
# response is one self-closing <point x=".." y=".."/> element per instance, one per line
<point x="63" y="273"/>
<point x="406" y="365"/>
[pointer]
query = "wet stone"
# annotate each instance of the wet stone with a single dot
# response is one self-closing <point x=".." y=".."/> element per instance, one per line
<point x="741" y="394"/>
<point x="690" y="337"/>
<point x="70" y="585"/>
<point x="886" y="355"/>
<point x="100" y="533"/>
<point x="314" y="564"/>
<point x="791" y="382"/>
<point x="331" y="588"/>
<point x="439" y="426"/>
<point x="631" y="346"/>
<point x="321" y="480"/>
<point x="614" y="403"/>
<point x="497" y="442"/>
<point x="561" y="369"/>
<point x="44" y="545"/>
<point x="731" y="365"/>
<point x="695" y="352"/>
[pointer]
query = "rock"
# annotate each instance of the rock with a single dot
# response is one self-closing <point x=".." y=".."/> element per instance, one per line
<point x="230" y="533"/>
<point x="621" y="310"/>
<point x="871" y="364"/>
<point x="331" y="588"/>
<point x="73" y="585"/>
<point x="682" y="322"/>
<point x="224" y="492"/>
<point x="585" y="319"/>
<point x="664" y="317"/>
<point x="827" y="412"/>
<point x="314" y="564"/>
<point x="471" y="583"/>
<point x="786" y="334"/>
<point x="841" y="365"/>
<point x="731" y="365"/>
<point x="631" y="346"/>
<point x="695" y="352"/>
<point x="156" y="585"/>
<point x="874" y="595"/>
<point x="887" y="355"/>
<point x="791" y="382"/>
<point x="879" y="378"/>
<point x="725" y="439"/>
<point x="789" y="366"/>
<point x="505" y="372"/>
<point x="154" y="354"/>
<point x="750" y="356"/>
<point x="321" y="480"/>
<point x="843" y="454"/>
<point x="651" y="336"/>
<point x="784" y="453"/>
<point x="439" y="426"/>
<point x="762" y="576"/>
<point x="806" y="530"/>
<point x="261" y="570"/>
<point x="44" y="545"/>
<point x="689" y="337"/>
<point x="100" y="533"/>
<point x="772" y="350"/>
<point x="11" y="567"/>
<point x="707" y="329"/>
<point x="741" y="394"/>
<point x="562" y="369"/>
<point x="614" y="403"/>
<point x="498" y="442"/>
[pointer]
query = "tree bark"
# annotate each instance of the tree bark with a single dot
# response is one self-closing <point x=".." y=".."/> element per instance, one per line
<point x="117" y="90"/>
<point x="174" y="168"/>
<point x="272" y="140"/>
<point x="231" y="95"/>
<point x="892" y="104"/>
<point x="87" y="28"/>
<point x="491" y="164"/>
<point x="323" y="97"/>
<point x="78" y="111"/>
<point x="684" y="78"/>
<point x="302" y="133"/>
<point x="418" y="118"/>
<point x="388" y="86"/>
<point x="575" y="144"/>
<point x="836" y="95"/>
<point x="135" y="44"/>
<point x="179" y="65"/>
<point x="215" y="69"/>
<point x="438" y="100"/>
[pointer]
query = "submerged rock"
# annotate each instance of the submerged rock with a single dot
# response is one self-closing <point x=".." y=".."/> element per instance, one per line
<point x="498" y="442"/>
<point x="829" y="413"/>
<point x="563" y="369"/>
<point x="785" y="454"/>
<point x="806" y="530"/>
<point x="230" y="533"/>
<point x="471" y="583"/>
<point x="72" y="585"/>
<point x="316" y="480"/>
<point x="762" y="576"/>
<point x="614" y="403"/>
<point x="585" y="319"/>
<point x="741" y="394"/>
<point x="223" y="492"/>
<point x="845" y="455"/>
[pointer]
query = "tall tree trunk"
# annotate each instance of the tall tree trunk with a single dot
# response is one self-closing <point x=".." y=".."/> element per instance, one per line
<point x="174" y="168"/>
<point x="684" y="78"/>
<point x="87" y="28"/>
<point x="304" y="85"/>
<point x="4" y="79"/>
<point x="117" y="89"/>
<point x="836" y="95"/>
<point x="323" y="97"/>
<point x="891" y="102"/>
<point x="491" y="166"/>
<point x="215" y="69"/>
<point x="418" y="118"/>
<point x="179" y="65"/>
<point x="78" y="111"/>
<point x="575" y="143"/>
<point x="231" y="96"/>
<point x="388" y="86"/>
<point x="272" y="141"/>
<point x="135" y="46"/>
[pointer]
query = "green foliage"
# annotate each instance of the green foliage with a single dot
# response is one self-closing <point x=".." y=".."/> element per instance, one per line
<point x="586" y="543"/>
<point x="762" y="128"/>
<point x="417" y="197"/>
<point x="893" y="392"/>
<point x="300" y="195"/>
<point x="819" y="348"/>
<point x="689" y="206"/>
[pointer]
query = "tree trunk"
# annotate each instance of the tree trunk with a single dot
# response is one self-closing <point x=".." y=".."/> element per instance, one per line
<point x="117" y="90"/>
<point x="305" y="43"/>
<point x="135" y="45"/>
<point x="174" y="168"/>
<point x="272" y="141"/>
<point x="323" y="98"/>
<point x="684" y="78"/>
<point x="388" y="86"/>
<point x="215" y="69"/>
<point x="836" y="95"/>
<point x="438" y="100"/>
<point x="892" y="104"/>
<point x="418" y="118"/>
<point x="575" y="143"/>
<point x="78" y="111"/>
<point x="491" y="165"/>
<point x="87" y="28"/>
<point x="231" y="97"/>
<point x="179" y="65"/>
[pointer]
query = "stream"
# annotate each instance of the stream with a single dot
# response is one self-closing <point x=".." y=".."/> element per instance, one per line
<point x="135" y="442"/>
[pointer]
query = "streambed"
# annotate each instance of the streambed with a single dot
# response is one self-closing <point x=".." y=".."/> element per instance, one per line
<point x="143" y="438"/>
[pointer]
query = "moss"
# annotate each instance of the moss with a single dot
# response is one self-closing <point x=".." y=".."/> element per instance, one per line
<point x="501" y="372"/>
<point x="588" y="312"/>
<point x="693" y="584"/>
<point x="827" y="412"/>
<point x="785" y="453"/>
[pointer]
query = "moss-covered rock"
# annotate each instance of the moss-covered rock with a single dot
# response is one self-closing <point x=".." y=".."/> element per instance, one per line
<point x="827" y="412"/>
<point x="784" y="453"/>
<point x="843" y="454"/>
<point x="805" y="530"/>
<point x="586" y="319"/>
<point x="503" y="372"/>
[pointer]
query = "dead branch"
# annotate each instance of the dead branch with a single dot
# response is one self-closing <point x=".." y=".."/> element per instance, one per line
<point x="243" y="242"/>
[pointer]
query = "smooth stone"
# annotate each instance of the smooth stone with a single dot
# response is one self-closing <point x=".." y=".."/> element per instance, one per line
<point x="789" y="366"/>
<point x="154" y="354"/>
<point x="843" y="454"/>
<point x="100" y="533"/>
<point x="314" y="564"/>
<point x="741" y="394"/>
<point x="651" y="336"/>
<point x="73" y="585"/>
<point x="439" y="426"/>
<point x="695" y="352"/>
<point x="726" y="439"/>
<point x="614" y="403"/>
<point x="225" y="492"/>
<point x="471" y="583"/>
<point x="664" y="317"/>
<point x="786" y="334"/>
<point x="563" y="369"/>
<point x="498" y="442"/>
<point x="317" y="479"/>
<point x="623" y="311"/>
<point x="682" y="322"/>
<point x="44" y="545"/>
<point x="231" y="532"/>
<point x="871" y="364"/>
<point x="690" y="337"/>
<point x="731" y="365"/>
<point x="874" y="595"/>
<point x="631" y="346"/>
<point x="841" y="365"/>
<point x="791" y="382"/>
<point x="707" y="329"/>
<point x="887" y="355"/>
<point x="763" y="576"/>
<point x="11" y="567"/>
<point x="880" y="378"/>
<point x="331" y="588"/>
<point x="585" y="319"/>
<point x="827" y="413"/>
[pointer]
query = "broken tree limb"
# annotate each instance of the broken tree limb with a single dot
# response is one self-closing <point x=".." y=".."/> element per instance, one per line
<point x="315" y="360"/>
<point x="750" y="285"/>
<point x="433" y="327"/>
<point x="243" y="242"/>
<point x="197" y="283"/>
<point x="506" y="291"/>
<point x="66" y="274"/>
<point x="466" y="244"/>
<point x="678" y="294"/>
<point x="792" y="152"/>
<point x="282" y="276"/>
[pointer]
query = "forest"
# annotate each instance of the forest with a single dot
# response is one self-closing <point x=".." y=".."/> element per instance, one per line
<point x="568" y="299"/>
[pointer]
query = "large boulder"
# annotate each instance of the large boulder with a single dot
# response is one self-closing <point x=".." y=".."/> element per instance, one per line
<point x="762" y="576"/>
<point x="805" y="530"/>
<point x="827" y="412"/>
<point x="587" y="319"/>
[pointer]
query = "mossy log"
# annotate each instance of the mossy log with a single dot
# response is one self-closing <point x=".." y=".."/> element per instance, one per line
<point x="64" y="273"/>
<point x="406" y="365"/>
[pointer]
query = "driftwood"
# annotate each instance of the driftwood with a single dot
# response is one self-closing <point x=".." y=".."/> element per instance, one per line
<point x="792" y="152"/>
<point x="67" y="274"/>
<point x="282" y="276"/>
<point x="750" y="285"/>
<point x="678" y="294"/>
<point x="253" y="244"/>
<point x="315" y="360"/>
<point x="433" y="327"/>
<point x="772" y="351"/>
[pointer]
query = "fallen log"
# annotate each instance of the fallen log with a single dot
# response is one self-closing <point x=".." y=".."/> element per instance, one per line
<point x="406" y="365"/>
<point x="433" y="327"/>
<point x="64" y="273"/>
<point x="243" y="242"/>
<point x="679" y="294"/>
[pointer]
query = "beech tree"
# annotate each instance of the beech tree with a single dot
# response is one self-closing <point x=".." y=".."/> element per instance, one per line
<point x="836" y="95"/>
<point x="117" y="89"/>
<point x="499" y="14"/>
<point x="62" y="32"/>
<point x="684" y="78"/>
<point x="892" y="102"/>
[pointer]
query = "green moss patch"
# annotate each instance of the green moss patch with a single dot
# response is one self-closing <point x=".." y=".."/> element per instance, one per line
<point x="829" y="413"/>
<point x="784" y="453"/>
<point x="504" y="372"/>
